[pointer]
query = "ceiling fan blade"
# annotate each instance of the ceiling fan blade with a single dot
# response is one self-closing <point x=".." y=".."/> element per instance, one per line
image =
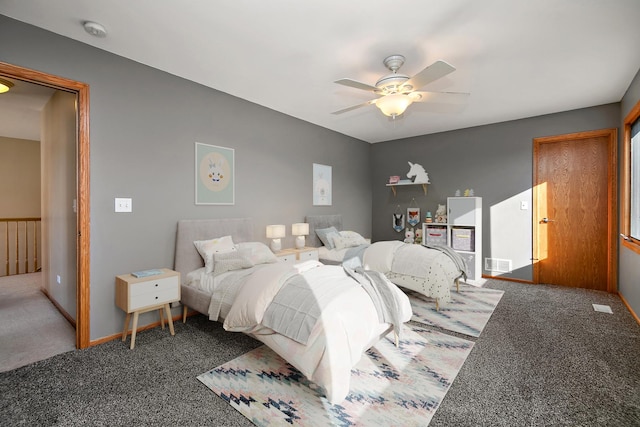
<point x="370" y="102"/>
<point x="443" y="97"/>
<point x="356" y="84"/>
<point x="433" y="72"/>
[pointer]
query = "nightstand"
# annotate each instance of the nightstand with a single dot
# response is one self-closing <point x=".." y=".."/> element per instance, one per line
<point x="141" y="294"/>
<point x="294" y="255"/>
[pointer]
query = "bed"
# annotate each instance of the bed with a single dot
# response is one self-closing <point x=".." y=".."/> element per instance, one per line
<point x="347" y="325"/>
<point x="429" y="271"/>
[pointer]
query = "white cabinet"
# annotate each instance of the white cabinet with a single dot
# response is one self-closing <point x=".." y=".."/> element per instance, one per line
<point x="293" y="256"/>
<point x="141" y="294"/>
<point x="462" y="232"/>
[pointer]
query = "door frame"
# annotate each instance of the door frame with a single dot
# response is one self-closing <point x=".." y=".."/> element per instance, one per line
<point x="612" y="186"/>
<point x="83" y="225"/>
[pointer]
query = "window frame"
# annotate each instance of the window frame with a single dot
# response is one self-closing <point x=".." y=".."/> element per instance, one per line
<point x="625" y="208"/>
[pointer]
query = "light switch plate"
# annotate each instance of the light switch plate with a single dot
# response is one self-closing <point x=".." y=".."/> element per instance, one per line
<point x="123" y="205"/>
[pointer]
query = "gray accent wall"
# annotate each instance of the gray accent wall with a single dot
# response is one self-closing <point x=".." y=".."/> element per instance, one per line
<point x="144" y="125"/>
<point x="629" y="264"/>
<point x="496" y="161"/>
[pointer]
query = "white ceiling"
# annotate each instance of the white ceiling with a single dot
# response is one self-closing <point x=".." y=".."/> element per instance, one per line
<point x="517" y="58"/>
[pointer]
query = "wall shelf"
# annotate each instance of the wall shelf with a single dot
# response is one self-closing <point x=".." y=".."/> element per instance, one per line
<point x="393" y="186"/>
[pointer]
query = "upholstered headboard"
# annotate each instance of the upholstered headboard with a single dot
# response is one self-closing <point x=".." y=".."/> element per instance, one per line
<point x="321" y="221"/>
<point x="187" y="257"/>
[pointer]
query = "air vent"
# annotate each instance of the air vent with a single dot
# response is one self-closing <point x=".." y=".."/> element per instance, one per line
<point x="499" y="265"/>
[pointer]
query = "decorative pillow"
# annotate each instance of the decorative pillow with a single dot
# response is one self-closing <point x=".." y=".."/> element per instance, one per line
<point x="356" y="237"/>
<point x="228" y="261"/>
<point x="259" y="253"/>
<point x="207" y="248"/>
<point x="348" y="239"/>
<point x="322" y="235"/>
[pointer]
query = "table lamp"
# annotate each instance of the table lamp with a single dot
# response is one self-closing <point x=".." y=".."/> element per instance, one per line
<point x="276" y="232"/>
<point x="300" y="230"/>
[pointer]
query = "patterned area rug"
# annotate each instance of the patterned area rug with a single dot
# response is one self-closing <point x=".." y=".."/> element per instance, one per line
<point x="389" y="386"/>
<point x="467" y="313"/>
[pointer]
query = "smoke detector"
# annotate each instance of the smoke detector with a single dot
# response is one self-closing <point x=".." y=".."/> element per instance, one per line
<point x="95" y="29"/>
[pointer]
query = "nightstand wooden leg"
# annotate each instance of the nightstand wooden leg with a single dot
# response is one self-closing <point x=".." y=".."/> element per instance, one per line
<point x="161" y="318"/>
<point x="457" y="285"/>
<point x="169" y="319"/>
<point x="126" y="326"/>
<point x="437" y="305"/>
<point x="133" y="330"/>
<point x="184" y="313"/>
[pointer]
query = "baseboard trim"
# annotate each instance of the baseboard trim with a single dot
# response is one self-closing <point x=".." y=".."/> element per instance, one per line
<point x="59" y="308"/>
<point x="624" y="301"/>
<point x="175" y="318"/>
<point x="508" y="279"/>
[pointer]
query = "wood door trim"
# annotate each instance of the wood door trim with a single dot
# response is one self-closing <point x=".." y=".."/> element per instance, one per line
<point x="83" y="224"/>
<point x="612" y="186"/>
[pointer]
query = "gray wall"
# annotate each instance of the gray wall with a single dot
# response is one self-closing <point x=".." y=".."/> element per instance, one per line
<point x="59" y="219"/>
<point x="629" y="266"/>
<point x="144" y="124"/>
<point x="495" y="161"/>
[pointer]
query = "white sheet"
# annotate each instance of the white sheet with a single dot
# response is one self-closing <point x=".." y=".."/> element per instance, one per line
<point x="199" y="279"/>
<point x="335" y="255"/>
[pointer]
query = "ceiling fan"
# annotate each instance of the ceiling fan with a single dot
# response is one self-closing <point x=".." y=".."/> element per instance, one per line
<point x="397" y="91"/>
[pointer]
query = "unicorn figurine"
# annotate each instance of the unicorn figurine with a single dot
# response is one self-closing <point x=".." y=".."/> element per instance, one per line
<point x="417" y="171"/>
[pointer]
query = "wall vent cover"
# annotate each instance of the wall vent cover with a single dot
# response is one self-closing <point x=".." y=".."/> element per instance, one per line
<point x="496" y="264"/>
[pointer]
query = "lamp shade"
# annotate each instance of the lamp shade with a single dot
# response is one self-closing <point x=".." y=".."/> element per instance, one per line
<point x="394" y="105"/>
<point x="276" y="231"/>
<point x="300" y="229"/>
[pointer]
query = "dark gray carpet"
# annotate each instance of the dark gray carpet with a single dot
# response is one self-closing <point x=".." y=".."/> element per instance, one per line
<point x="545" y="358"/>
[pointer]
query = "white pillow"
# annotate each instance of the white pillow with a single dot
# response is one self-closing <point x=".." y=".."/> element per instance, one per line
<point x="207" y="248"/>
<point x="259" y="253"/>
<point x="355" y="236"/>
<point x="228" y="261"/>
<point x="348" y="239"/>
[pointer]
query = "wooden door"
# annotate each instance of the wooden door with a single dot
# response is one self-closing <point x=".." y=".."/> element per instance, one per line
<point x="574" y="221"/>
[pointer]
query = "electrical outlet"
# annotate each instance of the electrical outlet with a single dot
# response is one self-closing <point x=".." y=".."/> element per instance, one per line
<point x="123" y="205"/>
<point x="58" y="278"/>
<point x="524" y="205"/>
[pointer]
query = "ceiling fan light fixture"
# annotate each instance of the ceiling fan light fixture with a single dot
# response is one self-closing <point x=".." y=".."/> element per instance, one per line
<point x="5" y="85"/>
<point x="394" y="105"/>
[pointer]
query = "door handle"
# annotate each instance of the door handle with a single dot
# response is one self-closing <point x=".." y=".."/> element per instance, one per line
<point x="546" y="220"/>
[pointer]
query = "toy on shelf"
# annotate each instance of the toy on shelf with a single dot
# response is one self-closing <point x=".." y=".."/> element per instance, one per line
<point x="441" y="214"/>
<point x="409" y="236"/>
<point x="418" y="236"/>
<point x="428" y="219"/>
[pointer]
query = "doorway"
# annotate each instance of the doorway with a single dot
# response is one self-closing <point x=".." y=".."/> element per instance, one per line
<point x="574" y="220"/>
<point x="81" y="90"/>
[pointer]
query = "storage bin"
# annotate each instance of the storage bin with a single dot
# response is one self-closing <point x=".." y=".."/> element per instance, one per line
<point x="463" y="239"/>
<point x="436" y="236"/>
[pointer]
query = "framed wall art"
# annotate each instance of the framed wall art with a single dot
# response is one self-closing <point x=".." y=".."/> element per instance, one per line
<point x="321" y="185"/>
<point x="215" y="181"/>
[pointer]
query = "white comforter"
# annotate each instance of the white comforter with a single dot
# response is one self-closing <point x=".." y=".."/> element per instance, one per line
<point x="415" y="267"/>
<point x="347" y="327"/>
